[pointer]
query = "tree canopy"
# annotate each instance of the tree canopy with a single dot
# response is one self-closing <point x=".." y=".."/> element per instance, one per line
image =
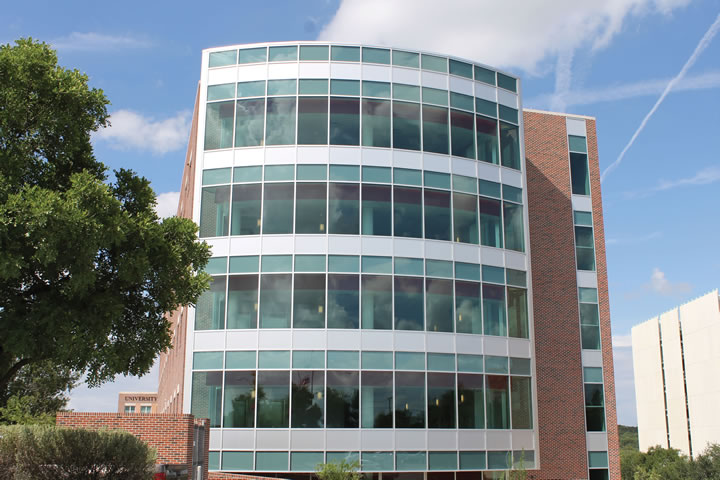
<point x="87" y="269"/>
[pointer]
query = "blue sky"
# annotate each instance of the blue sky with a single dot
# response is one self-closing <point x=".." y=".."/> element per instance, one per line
<point x="609" y="60"/>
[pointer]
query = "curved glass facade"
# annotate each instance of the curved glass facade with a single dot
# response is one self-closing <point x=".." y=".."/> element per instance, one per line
<point x="366" y="210"/>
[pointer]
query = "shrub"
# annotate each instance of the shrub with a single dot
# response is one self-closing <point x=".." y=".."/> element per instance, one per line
<point x="343" y="470"/>
<point x="53" y="453"/>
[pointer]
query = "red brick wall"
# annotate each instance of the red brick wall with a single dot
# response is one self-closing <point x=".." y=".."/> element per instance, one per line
<point x="172" y="363"/>
<point x="170" y="435"/>
<point x="561" y="410"/>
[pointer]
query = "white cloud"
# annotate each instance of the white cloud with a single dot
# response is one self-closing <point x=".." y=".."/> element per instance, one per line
<point x="632" y="239"/>
<point x="486" y="30"/>
<point x="622" y="341"/>
<point x="105" y="397"/>
<point x="167" y="204"/>
<point x="131" y="130"/>
<point x="705" y="176"/>
<point x="93" y="41"/>
<point x="660" y="284"/>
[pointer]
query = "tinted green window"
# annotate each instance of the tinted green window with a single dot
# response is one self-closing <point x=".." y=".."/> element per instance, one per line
<point x="375" y="89"/>
<point x="514" y="231"/>
<point x="273" y="406"/>
<point x="271" y="461"/>
<point x="582" y="218"/>
<point x="512" y="194"/>
<point x="441" y="361"/>
<point x="280" y="128"/>
<point x="242" y="301"/>
<point x="521" y="402"/>
<point x="490" y="222"/>
<point x="458" y="100"/>
<point x="207" y="396"/>
<point x="585" y="258"/>
<point x="307" y="410"/>
<point x="314" y="53"/>
<point x="221" y="59"/>
<point x="312" y="172"/>
<point x="343" y="303"/>
<point x="467" y="271"/>
<point x="517" y="312"/>
<point x="434" y="95"/>
<point x="577" y="144"/>
<point x="595" y="407"/>
<point x="210" y="307"/>
<point x="435" y="129"/>
<point x="470" y="363"/>
<point x="345" y="54"/>
<point x="405" y="59"/>
<point x="342" y="359"/>
<point x="598" y="459"/>
<point x="344" y="263"/>
<point x="376" y="55"/>
<point x="494" y="310"/>
<point x="484" y="75"/>
<point x="461" y="129"/>
<point x="344" y="121"/>
<point x="376" y="209"/>
<point x="216" y="175"/>
<point x="282" y="87"/>
<point x="247" y="174"/>
<point x="376" y="302"/>
<point x="345" y="172"/>
<point x="308" y="359"/>
<point x="520" y="366"/>
<point x="407" y="177"/>
<point x="592" y="374"/>
<point x="216" y="265"/>
<point x="493" y="274"/>
<point x="377" y="461"/>
<point x="377" y="360"/>
<point x="508" y="114"/>
<point x="310" y="208"/>
<point x="510" y="145"/>
<point x="279" y="172"/>
<point x="579" y="174"/>
<point x="207" y="361"/>
<point x="248" y="264"/>
<point x="409" y="400"/>
<point x="590" y="337"/>
<point x="461" y="69"/>
<point x="409" y="361"/>
<point x="236" y="460"/>
<point x="283" y="54"/>
<point x="516" y="277"/>
<point x="462" y="183"/>
<point x="376" y="123"/>
<point x="468" y="316"/>
<point x="377" y="393"/>
<point x="343" y="398"/>
<point x="240" y="395"/>
<point x="486" y="107"/>
<point x="506" y="82"/>
<point x="253" y="55"/>
<point x="589" y="314"/>
<point x="313" y="86"/>
<point x="275" y="294"/>
<point x="240" y="360"/>
<point x="499" y="460"/>
<point x="441" y="400"/>
<point x="274" y="359"/>
<point x="489" y="189"/>
<point x="439" y="304"/>
<point x="246" y="209"/>
<point x="472" y="460"/>
<point x="345" y="87"/>
<point x="407" y="207"/>
<point x="343" y="208"/>
<point x="487" y="140"/>
<point x="437" y="180"/>
<point x="439" y="268"/>
<point x="406" y="92"/>
<point x="249" y="122"/>
<point x="277" y="263"/>
<point x="305" y="461"/>
<point x="471" y="401"/>
<point x="434" y="63"/>
<point x="497" y="402"/>
<point x="219" y="125"/>
<point x="588" y="295"/>
<point x="437" y="215"/>
<point x="377" y="174"/>
<point x="220" y="92"/>
<point x="408" y="266"/>
<point x="278" y="208"/>
<point x="251" y="89"/>
<point x="496" y="364"/>
<point x="309" y="301"/>
<point x="312" y="121"/>
<point x="376" y="264"/>
<point x="409" y="303"/>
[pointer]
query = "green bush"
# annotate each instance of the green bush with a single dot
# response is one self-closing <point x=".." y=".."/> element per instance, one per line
<point x="343" y="470"/>
<point x="53" y="453"/>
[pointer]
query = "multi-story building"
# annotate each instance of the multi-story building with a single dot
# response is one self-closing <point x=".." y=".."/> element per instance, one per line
<point x="372" y="214"/>
<point x="137" y="402"/>
<point x="675" y="356"/>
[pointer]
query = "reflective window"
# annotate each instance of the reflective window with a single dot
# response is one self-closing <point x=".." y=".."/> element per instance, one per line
<point x="313" y="86"/>
<point x="514" y="231"/>
<point x="343" y="302"/>
<point x="253" y="55"/>
<point x="251" y="89"/>
<point x="271" y="461"/>
<point x="376" y="55"/>
<point x="219" y="125"/>
<point x="377" y="396"/>
<point x="275" y="301"/>
<point x="220" y="92"/>
<point x="222" y="59"/>
<point x="510" y="145"/>
<point x="467" y="307"/>
<point x="283" y="54"/>
<point x="278" y="208"/>
<point x="249" y="122"/>
<point x="437" y="215"/>
<point x="521" y="397"/>
<point x="484" y="75"/>
<point x="434" y="63"/>
<point x="494" y="309"/>
<point x="344" y="87"/>
<point x="376" y="210"/>
<point x="376" y="89"/>
<point x="215" y="211"/>
<point x="441" y="400"/>
<point x="471" y="401"/>
<point x="246" y="209"/>
<point x="517" y="312"/>
<point x="282" y="87"/>
<point x="405" y="59"/>
<point x="435" y="129"/>
<point x="242" y="308"/>
<point x="461" y="127"/>
<point x="497" y="402"/>
<point x="577" y="144"/>
<point x="439" y="299"/>
<point x="376" y="302"/>
<point x="309" y="301"/>
<point x="408" y="212"/>
<point x="273" y="399"/>
<point x="595" y="407"/>
<point x="490" y="223"/>
<point x="465" y="218"/>
<point x="343" y="399"/>
<point x="312" y="121"/>
<point x="308" y="389"/>
<point x="344" y="209"/>
<point x="239" y="410"/>
<point x="579" y="173"/>
<point x="280" y="129"/>
<point x="215" y="176"/>
<point x="314" y="53"/>
<point x="461" y="69"/>
<point x="210" y="307"/>
<point x="344" y="121"/>
<point x="207" y="396"/>
<point x="487" y="139"/>
<point x="310" y="207"/>
<point x="409" y="303"/>
<point x="406" y="125"/>
<point x="409" y="400"/>
<point x="506" y="82"/>
<point x="585" y="248"/>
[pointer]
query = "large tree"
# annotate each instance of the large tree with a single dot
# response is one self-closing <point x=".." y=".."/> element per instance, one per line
<point x="87" y="269"/>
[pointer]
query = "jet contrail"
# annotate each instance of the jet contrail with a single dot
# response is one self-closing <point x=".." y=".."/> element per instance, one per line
<point x="704" y="42"/>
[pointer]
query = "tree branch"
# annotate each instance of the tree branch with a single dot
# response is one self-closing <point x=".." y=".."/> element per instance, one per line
<point x="12" y="371"/>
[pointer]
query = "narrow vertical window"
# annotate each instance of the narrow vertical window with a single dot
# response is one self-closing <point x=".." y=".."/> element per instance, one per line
<point x="409" y="400"/>
<point x="309" y="301"/>
<point x="376" y="302"/>
<point x="409" y="311"/>
<point x="406" y="125"/>
<point x="310" y="207"/>
<point x="494" y="310"/>
<point x="210" y="308"/>
<point x="312" y="121"/>
<point x="343" y="399"/>
<point x="376" y="210"/>
<point x="510" y="145"/>
<point x="579" y="173"/>
<point x="471" y="401"/>
<point x="280" y="129"/>
<point x="408" y="212"/>
<point x="275" y="301"/>
<point x="273" y="402"/>
<point x="439" y="300"/>
<point x="437" y="215"/>
<point x="249" y="122"/>
<point x="517" y="312"/>
<point x="377" y="396"/>
<point x="278" y="208"/>
<point x="467" y="307"/>
<point x="514" y="231"/>
<point x="343" y="302"/>
<point x="487" y="139"/>
<point x="239" y="411"/>
<point x="242" y="301"/>
<point x="215" y="211"/>
<point x="344" y="209"/>
<point x="521" y="397"/>
<point x="308" y="391"/>
<point x="219" y="125"/>
<point x="465" y="218"/>
<point x="206" y="396"/>
<point x="491" y="233"/>
<point x="441" y="400"/>
<point x="498" y="402"/>
<point x="246" y="209"/>
<point x="344" y="121"/>
<point x="461" y="130"/>
<point x="376" y="123"/>
<point x="435" y="129"/>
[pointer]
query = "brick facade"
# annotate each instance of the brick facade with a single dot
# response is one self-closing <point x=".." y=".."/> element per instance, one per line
<point x="172" y="436"/>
